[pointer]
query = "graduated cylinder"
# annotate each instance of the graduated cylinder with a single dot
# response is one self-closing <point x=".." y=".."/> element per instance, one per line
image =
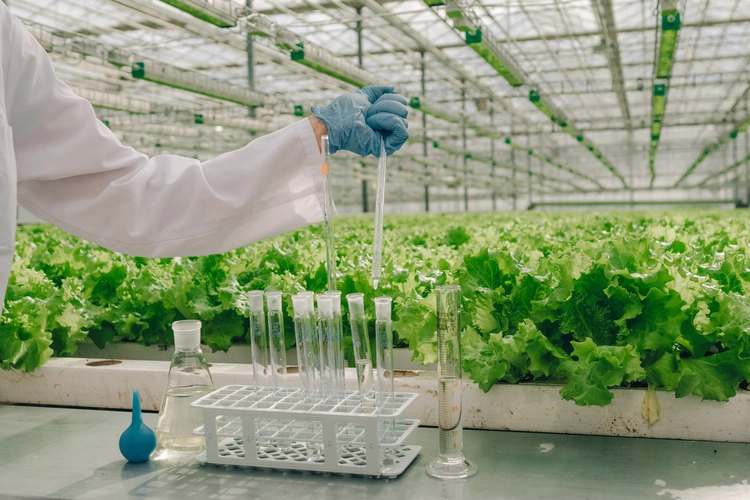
<point x="451" y="462"/>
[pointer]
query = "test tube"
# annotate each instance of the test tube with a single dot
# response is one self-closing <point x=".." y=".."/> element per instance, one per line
<point x="276" y="338"/>
<point x="338" y="345"/>
<point x="328" y="214"/>
<point x="325" y="330"/>
<point x="311" y="354"/>
<point x="386" y="392"/>
<point x="258" y="338"/>
<point x="313" y="341"/>
<point x="451" y="462"/>
<point x="361" y="344"/>
<point x="302" y="334"/>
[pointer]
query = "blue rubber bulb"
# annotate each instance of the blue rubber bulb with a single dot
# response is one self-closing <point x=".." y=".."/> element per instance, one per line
<point x="138" y="441"/>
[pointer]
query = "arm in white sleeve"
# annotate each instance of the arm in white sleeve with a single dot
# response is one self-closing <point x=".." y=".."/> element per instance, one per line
<point x="73" y="172"/>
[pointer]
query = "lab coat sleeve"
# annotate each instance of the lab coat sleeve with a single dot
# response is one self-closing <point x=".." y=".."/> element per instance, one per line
<point x="73" y="172"/>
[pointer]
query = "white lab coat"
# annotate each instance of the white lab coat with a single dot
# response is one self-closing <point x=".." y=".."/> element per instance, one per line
<point x="62" y="164"/>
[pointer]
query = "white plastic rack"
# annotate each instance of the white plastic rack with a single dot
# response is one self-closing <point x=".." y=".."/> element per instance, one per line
<point x="279" y="428"/>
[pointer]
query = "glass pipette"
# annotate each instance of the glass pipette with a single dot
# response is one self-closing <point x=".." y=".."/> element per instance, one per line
<point x="258" y="338"/>
<point x="328" y="214"/>
<point x="276" y="338"/>
<point x="377" y="242"/>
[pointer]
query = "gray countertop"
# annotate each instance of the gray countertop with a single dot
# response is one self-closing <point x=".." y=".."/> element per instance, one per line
<point x="73" y="453"/>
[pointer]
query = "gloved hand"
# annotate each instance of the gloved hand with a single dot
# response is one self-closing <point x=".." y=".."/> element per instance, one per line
<point x="356" y="121"/>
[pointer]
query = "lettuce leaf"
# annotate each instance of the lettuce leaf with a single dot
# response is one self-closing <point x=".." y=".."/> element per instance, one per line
<point x="595" y="369"/>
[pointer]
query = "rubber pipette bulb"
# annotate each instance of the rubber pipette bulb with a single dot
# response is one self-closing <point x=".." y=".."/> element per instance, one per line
<point x="138" y="441"/>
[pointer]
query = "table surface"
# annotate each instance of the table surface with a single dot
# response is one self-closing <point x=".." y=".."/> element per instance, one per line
<point x="73" y="453"/>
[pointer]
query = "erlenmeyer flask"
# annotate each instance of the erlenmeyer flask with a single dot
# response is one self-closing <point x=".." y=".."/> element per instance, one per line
<point x="188" y="380"/>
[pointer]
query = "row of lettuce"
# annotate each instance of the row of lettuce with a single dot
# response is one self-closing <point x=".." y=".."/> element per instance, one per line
<point x="592" y="300"/>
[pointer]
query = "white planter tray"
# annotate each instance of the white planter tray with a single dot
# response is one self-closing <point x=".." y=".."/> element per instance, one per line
<point x="525" y="407"/>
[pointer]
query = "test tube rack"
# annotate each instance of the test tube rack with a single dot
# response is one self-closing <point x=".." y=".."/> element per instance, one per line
<point x="280" y="428"/>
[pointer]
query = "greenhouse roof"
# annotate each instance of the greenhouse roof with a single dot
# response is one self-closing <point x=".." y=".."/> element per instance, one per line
<point x="550" y="97"/>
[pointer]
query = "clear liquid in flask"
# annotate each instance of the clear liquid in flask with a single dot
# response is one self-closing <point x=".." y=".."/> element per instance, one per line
<point x="179" y="420"/>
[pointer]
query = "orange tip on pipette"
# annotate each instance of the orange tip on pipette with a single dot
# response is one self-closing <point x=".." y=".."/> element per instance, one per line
<point x="325" y="169"/>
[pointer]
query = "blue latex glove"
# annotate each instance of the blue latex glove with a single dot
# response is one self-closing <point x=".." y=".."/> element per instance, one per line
<point x="358" y="120"/>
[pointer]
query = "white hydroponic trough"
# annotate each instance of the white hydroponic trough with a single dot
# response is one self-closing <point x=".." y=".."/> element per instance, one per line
<point x="97" y="383"/>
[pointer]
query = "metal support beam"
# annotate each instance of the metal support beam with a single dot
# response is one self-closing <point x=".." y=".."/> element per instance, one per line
<point x="528" y="169"/>
<point x="492" y="160"/>
<point x="249" y="41"/>
<point x="683" y="203"/>
<point x="464" y="147"/>
<point x="588" y="86"/>
<point x="604" y="124"/>
<point x="514" y="194"/>
<point x="638" y="29"/>
<point x="603" y="9"/>
<point x="735" y="156"/>
<point x="423" y="90"/>
<point x="250" y="54"/>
